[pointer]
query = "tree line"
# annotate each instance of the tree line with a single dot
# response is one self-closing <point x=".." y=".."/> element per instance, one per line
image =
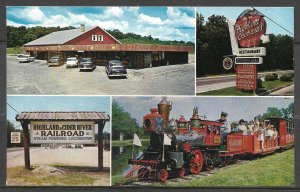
<point x="18" y="36"/>
<point x="213" y="43"/>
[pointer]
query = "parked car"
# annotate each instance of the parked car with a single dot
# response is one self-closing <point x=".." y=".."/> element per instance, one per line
<point x="72" y="62"/>
<point x="115" y="68"/>
<point x="55" y="61"/>
<point x="25" y="58"/>
<point x="86" y="64"/>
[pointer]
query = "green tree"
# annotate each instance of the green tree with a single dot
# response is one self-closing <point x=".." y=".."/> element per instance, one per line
<point x="122" y="123"/>
<point x="272" y="112"/>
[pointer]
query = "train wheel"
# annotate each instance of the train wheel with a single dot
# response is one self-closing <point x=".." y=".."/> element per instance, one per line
<point x="163" y="175"/>
<point x="143" y="173"/>
<point x="181" y="172"/>
<point x="196" y="163"/>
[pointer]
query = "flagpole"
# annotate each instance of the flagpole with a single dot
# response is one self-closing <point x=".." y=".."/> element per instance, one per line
<point x="163" y="155"/>
<point x="132" y="151"/>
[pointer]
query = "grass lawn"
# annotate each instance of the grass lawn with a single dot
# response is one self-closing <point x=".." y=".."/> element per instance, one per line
<point x="73" y="176"/>
<point x="117" y="143"/>
<point x="273" y="170"/>
<point x="268" y="85"/>
<point x="270" y="171"/>
<point x="14" y="50"/>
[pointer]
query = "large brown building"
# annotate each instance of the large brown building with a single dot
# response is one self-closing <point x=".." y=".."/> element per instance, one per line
<point x="99" y="44"/>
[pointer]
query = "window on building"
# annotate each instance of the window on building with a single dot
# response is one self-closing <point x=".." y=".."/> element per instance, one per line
<point x="100" y="37"/>
<point x="97" y="37"/>
<point x="94" y="37"/>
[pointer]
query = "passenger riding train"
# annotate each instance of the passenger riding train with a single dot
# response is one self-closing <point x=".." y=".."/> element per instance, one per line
<point x="196" y="145"/>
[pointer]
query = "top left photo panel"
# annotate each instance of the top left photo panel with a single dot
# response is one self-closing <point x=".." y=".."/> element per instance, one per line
<point x="100" y="50"/>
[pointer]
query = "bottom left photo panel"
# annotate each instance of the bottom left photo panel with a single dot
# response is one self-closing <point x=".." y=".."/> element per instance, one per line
<point x="58" y="140"/>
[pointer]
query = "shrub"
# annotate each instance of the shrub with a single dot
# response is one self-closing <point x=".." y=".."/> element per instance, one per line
<point x="286" y="77"/>
<point x="275" y="75"/>
<point x="271" y="77"/>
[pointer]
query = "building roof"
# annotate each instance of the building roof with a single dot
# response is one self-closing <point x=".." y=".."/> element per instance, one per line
<point x="62" y="37"/>
<point x="62" y="116"/>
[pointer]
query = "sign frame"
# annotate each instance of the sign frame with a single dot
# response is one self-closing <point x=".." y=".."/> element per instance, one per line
<point x="248" y="61"/>
<point x="252" y="51"/>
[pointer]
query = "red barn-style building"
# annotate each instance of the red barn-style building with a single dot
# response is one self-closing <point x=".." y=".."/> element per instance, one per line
<point x="99" y="44"/>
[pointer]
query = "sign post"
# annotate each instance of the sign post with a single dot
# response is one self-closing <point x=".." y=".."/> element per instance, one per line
<point x="249" y="30"/>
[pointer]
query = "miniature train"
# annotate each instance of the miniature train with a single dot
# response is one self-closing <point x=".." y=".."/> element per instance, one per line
<point x="197" y="145"/>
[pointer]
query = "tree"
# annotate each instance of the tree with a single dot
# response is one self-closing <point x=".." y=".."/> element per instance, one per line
<point x="123" y="123"/>
<point x="272" y="112"/>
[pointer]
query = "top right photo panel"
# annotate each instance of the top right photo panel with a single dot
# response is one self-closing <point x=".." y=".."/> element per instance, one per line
<point x="245" y="51"/>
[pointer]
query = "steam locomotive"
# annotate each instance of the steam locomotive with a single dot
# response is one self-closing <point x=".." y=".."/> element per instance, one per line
<point x="197" y="145"/>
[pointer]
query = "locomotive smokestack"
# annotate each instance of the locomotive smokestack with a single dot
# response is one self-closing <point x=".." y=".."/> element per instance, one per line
<point x="164" y="108"/>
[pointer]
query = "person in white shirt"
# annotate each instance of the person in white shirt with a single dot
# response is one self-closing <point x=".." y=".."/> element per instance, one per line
<point x="226" y="128"/>
<point x="242" y="127"/>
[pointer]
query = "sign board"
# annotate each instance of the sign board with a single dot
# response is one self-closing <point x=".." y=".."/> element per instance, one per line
<point x="252" y="51"/>
<point x="249" y="27"/>
<point x="227" y="63"/>
<point x="15" y="137"/>
<point x="249" y="60"/>
<point x="246" y="77"/>
<point x="77" y="132"/>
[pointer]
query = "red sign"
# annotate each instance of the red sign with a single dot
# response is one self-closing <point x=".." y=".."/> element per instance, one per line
<point x="249" y="27"/>
<point x="246" y="77"/>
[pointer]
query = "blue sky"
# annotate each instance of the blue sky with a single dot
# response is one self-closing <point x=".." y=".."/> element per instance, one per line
<point x="166" y="23"/>
<point x="57" y="103"/>
<point x="237" y="107"/>
<point x="281" y="15"/>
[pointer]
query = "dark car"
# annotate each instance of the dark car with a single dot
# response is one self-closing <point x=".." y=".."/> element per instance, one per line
<point x="55" y="61"/>
<point x="115" y="68"/>
<point x="86" y="64"/>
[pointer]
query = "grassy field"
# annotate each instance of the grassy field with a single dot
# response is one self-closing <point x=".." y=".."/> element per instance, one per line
<point x="14" y="50"/>
<point x="117" y="143"/>
<point x="270" y="171"/>
<point x="73" y="176"/>
<point x="268" y="85"/>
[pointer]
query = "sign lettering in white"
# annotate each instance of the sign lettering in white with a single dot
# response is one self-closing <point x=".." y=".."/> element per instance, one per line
<point x="248" y="60"/>
<point x="81" y="132"/>
<point x="15" y="137"/>
<point x="252" y="51"/>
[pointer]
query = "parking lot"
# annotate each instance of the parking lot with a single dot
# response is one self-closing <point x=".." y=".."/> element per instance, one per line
<point x="39" y="79"/>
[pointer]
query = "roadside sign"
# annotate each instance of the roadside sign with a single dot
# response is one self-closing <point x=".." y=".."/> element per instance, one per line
<point x="249" y="60"/>
<point x="252" y="51"/>
<point x="15" y="137"/>
<point x="76" y="132"/>
<point x="246" y="77"/>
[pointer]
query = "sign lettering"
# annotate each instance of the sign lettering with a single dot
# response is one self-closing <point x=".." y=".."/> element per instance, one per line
<point x="82" y="132"/>
<point x="15" y="137"/>
<point x="246" y="77"/>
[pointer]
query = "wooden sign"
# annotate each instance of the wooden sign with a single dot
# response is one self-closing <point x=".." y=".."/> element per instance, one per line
<point x="246" y="77"/>
<point x="77" y="132"/>
<point x="15" y="137"/>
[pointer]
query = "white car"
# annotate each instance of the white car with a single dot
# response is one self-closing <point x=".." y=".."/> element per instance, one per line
<point x="25" y="58"/>
<point x="72" y="62"/>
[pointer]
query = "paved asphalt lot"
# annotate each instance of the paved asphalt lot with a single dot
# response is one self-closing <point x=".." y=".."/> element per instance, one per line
<point x="36" y="78"/>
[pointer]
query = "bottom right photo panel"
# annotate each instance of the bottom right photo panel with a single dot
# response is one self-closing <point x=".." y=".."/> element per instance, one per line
<point x="203" y="141"/>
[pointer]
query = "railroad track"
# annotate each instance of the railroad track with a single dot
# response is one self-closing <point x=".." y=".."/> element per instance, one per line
<point x="189" y="177"/>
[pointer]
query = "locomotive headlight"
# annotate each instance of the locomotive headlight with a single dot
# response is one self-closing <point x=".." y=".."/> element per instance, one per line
<point x="147" y="123"/>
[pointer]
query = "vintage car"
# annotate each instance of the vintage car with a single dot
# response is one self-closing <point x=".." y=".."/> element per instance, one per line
<point x="25" y="58"/>
<point x="86" y="64"/>
<point x="72" y="62"/>
<point x="55" y="61"/>
<point x="115" y="68"/>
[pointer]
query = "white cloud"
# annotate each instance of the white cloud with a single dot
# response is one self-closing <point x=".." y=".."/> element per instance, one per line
<point x="142" y="18"/>
<point x="33" y="14"/>
<point x="113" y="12"/>
<point x="12" y="23"/>
<point x="133" y="10"/>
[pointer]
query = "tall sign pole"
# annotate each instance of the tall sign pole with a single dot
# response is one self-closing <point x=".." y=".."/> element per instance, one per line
<point x="246" y="34"/>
